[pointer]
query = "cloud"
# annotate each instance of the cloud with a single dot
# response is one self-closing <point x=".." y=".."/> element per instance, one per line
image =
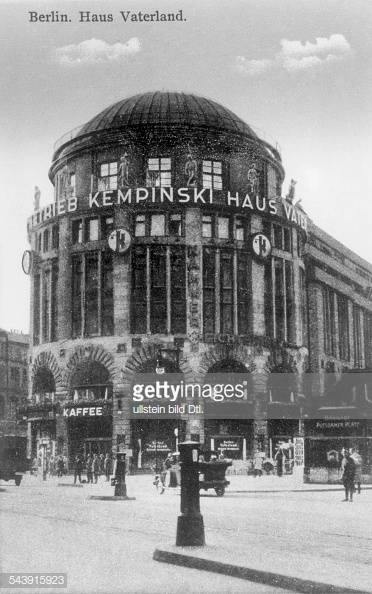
<point x="295" y="56"/>
<point x="96" y="51"/>
<point x="252" y="67"/>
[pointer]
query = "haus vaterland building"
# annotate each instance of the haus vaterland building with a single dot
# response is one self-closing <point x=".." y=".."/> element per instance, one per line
<point x="192" y="200"/>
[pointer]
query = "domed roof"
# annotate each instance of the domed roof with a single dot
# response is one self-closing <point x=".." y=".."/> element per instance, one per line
<point x="167" y="108"/>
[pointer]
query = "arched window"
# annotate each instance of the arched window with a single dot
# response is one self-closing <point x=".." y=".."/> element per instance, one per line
<point x="43" y="386"/>
<point x="90" y="381"/>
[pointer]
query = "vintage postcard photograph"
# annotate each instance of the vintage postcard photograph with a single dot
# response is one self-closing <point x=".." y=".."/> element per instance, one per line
<point x="186" y="296"/>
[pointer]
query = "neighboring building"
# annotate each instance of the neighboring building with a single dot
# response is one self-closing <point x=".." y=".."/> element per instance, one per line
<point x="14" y="348"/>
<point x="191" y="198"/>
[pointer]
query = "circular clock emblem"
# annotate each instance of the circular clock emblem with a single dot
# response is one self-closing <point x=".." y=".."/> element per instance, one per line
<point x="120" y="241"/>
<point x="26" y="262"/>
<point x="261" y="246"/>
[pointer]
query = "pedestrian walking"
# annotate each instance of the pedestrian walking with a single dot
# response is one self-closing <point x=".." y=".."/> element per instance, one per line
<point x="78" y="468"/>
<point x="279" y="457"/>
<point x="96" y="467"/>
<point x="89" y="466"/>
<point x="258" y="462"/>
<point x="358" y="468"/>
<point x="60" y="466"/>
<point x="348" y="476"/>
<point x="101" y="464"/>
<point x="108" y="466"/>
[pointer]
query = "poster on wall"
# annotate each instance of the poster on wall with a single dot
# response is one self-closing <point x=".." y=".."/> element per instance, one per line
<point x="185" y="268"/>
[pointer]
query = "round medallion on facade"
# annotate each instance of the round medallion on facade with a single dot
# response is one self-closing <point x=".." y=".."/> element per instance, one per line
<point x="120" y="241"/>
<point x="27" y="262"/>
<point x="261" y="246"/>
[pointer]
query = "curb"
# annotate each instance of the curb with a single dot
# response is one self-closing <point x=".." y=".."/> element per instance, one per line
<point x="335" y="490"/>
<point x="77" y="486"/>
<point x="111" y="498"/>
<point x="252" y="575"/>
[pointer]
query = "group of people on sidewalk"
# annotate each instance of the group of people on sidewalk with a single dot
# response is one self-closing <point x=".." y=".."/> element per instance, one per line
<point x="351" y="468"/>
<point x="95" y="465"/>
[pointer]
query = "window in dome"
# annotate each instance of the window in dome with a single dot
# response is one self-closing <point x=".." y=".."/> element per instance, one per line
<point x="175" y="225"/>
<point x="223" y="227"/>
<point x="207" y="226"/>
<point x="157" y="225"/>
<point x="140" y="226"/>
<point x="212" y="175"/>
<point x="91" y="229"/>
<point x="159" y="172"/>
<point x="107" y="226"/>
<point x="77" y="231"/>
<point x="239" y="228"/>
<point x="108" y="179"/>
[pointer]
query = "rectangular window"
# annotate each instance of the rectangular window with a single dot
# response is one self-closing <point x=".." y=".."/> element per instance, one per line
<point x="209" y="280"/>
<point x="278" y="239"/>
<point x="368" y="339"/>
<point x="108" y="176"/>
<point x="77" y="278"/>
<point x="303" y="298"/>
<point x="239" y="228"/>
<point x="178" y="290"/>
<point x="46" y="240"/>
<point x="139" y="290"/>
<point x="243" y="292"/>
<point x="287" y="239"/>
<point x="55" y="237"/>
<point x="36" y="320"/>
<point x="279" y="299"/>
<point x="223" y="227"/>
<point x="91" y="229"/>
<point x="77" y="231"/>
<point x="207" y="228"/>
<point x="91" y="294"/>
<point x="72" y="184"/>
<point x="289" y="302"/>
<point x="107" y="292"/>
<point x="54" y="303"/>
<point x="343" y="327"/>
<point x="175" y="225"/>
<point x="358" y="351"/>
<point x="159" y="172"/>
<point x="226" y="292"/>
<point x="158" y="304"/>
<point x="107" y="226"/>
<point x="157" y="225"/>
<point x="46" y="306"/>
<point x="140" y="226"/>
<point x="212" y="174"/>
<point x="329" y="321"/>
<point x="39" y="241"/>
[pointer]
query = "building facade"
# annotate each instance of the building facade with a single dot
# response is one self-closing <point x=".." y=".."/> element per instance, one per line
<point x="169" y="249"/>
<point x="14" y="347"/>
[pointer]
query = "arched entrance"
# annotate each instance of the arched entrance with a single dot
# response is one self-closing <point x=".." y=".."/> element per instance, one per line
<point x="229" y="428"/>
<point x="88" y="411"/>
<point x="154" y="438"/>
<point x="42" y="411"/>
<point x="283" y="414"/>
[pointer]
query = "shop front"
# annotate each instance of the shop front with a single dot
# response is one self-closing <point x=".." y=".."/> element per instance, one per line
<point x="324" y="442"/>
<point x="89" y="428"/>
<point x="231" y="438"/>
<point x="153" y="440"/>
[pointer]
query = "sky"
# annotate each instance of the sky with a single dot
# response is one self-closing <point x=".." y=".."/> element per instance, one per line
<point x="297" y="71"/>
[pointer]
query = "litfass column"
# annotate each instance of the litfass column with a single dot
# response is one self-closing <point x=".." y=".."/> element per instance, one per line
<point x="190" y="525"/>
